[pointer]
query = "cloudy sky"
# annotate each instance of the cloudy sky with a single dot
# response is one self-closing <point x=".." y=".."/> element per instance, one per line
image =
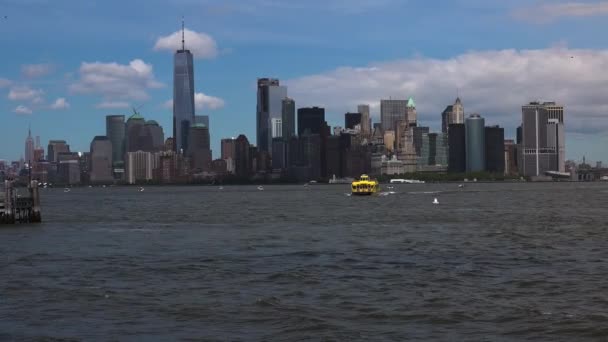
<point x="67" y="64"/>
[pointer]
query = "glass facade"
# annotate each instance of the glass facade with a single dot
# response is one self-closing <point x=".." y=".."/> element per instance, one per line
<point x="183" y="98"/>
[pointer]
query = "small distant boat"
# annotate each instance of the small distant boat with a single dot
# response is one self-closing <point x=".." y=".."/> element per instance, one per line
<point x="364" y="186"/>
<point x="260" y="188"/>
<point x="90" y="186"/>
<point x="461" y="186"/>
<point x="406" y="181"/>
<point x="141" y="189"/>
<point x="103" y="186"/>
<point x="221" y="188"/>
<point x="66" y="190"/>
<point x="435" y="201"/>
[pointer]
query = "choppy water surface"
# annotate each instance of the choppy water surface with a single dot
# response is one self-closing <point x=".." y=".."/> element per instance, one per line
<point x="490" y="262"/>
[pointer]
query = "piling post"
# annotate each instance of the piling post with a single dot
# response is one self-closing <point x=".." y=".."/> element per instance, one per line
<point x="35" y="194"/>
<point x="9" y="202"/>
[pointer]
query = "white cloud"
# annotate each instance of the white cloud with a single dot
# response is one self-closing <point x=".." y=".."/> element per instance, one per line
<point x="60" y="103"/>
<point x="554" y="11"/>
<point x="200" y="44"/>
<point x="4" y="82"/>
<point x="201" y="101"/>
<point x="112" y="105"/>
<point x="20" y="93"/>
<point x="22" y="110"/>
<point x="36" y="70"/>
<point x="116" y="81"/>
<point x="493" y="83"/>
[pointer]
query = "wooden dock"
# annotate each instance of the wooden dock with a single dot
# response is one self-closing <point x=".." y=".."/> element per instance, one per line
<point x="17" y="209"/>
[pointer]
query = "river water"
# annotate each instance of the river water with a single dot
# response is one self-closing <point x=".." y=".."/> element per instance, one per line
<point x="490" y="262"/>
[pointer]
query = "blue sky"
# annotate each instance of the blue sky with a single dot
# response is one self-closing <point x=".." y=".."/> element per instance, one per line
<point x="63" y="60"/>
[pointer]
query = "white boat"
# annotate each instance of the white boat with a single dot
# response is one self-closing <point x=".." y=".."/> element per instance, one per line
<point x="66" y="190"/>
<point x="141" y="189"/>
<point x="406" y="181"/>
<point x="260" y="188"/>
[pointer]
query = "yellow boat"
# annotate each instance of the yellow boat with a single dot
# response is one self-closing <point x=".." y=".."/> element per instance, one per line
<point x="364" y="186"/>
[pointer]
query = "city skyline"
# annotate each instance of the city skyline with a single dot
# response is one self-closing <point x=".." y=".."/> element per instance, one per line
<point x="62" y="92"/>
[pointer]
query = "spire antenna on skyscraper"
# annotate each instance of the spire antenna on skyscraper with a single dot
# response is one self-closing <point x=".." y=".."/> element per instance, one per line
<point x="183" y="40"/>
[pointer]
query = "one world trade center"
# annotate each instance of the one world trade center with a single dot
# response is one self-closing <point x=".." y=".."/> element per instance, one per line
<point x="183" y="96"/>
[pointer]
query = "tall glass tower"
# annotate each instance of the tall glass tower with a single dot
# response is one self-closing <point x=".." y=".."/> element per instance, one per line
<point x="183" y="95"/>
<point x="115" y="131"/>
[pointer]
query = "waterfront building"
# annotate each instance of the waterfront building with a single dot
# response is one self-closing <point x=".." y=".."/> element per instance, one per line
<point x="55" y="147"/>
<point x="392" y="166"/>
<point x="270" y="97"/>
<point x="68" y="172"/>
<point x="199" y="149"/>
<point x="140" y="166"/>
<point x="352" y="119"/>
<point x="228" y="148"/>
<point x="242" y="158"/>
<point x="475" y="143"/>
<point x="456" y="148"/>
<point x="542" y="139"/>
<point x="101" y="160"/>
<point x="433" y="152"/>
<point x="288" y="117"/>
<point x="510" y="158"/>
<point x="115" y="131"/>
<point x="366" y="122"/>
<point x="183" y="95"/>
<point x="495" y="149"/>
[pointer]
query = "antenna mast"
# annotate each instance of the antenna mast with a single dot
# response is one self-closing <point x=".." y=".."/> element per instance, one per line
<point x="183" y="41"/>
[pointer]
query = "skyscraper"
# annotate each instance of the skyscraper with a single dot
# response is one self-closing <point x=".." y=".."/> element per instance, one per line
<point x="101" y="160"/>
<point x="183" y="95"/>
<point x="242" y="157"/>
<point x="139" y="166"/>
<point x="543" y="139"/>
<point x="276" y="128"/>
<point x="475" y="143"/>
<point x="453" y="114"/>
<point x="55" y="147"/>
<point x="457" y="162"/>
<point x="115" y="131"/>
<point x="269" y="106"/>
<point x="134" y="131"/>
<point x="153" y="133"/>
<point x="310" y="120"/>
<point x="410" y="113"/>
<point x="495" y="149"/>
<point x="199" y="150"/>
<point x="29" y="148"/>
<point x="353" y="119"/>
<point x="366" y="129"/>
<point x="391" y="112"/>
<point x="288" y="118"/>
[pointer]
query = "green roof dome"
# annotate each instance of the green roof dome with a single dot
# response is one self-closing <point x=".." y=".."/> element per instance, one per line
<point x="152" y="123"/>
<point x="136" y="116"/>
<point x="411" y="103"/>
<point x="199" y="125"/>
